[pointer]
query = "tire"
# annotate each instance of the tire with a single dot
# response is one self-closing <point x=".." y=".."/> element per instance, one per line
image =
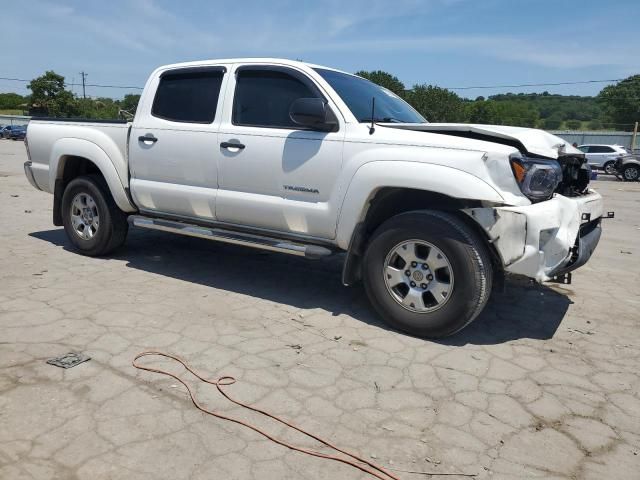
<point x="433" y="236"/>
<point x="631" y="173"/>
<point x="609" y="168"/>
<point x="104" y="226"/>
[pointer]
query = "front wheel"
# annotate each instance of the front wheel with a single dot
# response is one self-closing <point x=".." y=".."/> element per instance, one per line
<point x="427" y="273"/>
<point x="631" y="173"/>
<point x="92" y="220"/>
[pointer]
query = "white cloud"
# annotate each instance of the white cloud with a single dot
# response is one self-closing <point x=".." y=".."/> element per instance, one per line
<point x="119" y="42"/>
<point x="518" y="49"/>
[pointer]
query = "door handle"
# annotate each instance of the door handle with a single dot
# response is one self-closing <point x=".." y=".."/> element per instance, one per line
<point x="239" y="146"/>
<point x="147" y="138"/>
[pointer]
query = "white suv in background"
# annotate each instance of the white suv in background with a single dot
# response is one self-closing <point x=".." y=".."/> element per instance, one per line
<point x="603" y="156"/>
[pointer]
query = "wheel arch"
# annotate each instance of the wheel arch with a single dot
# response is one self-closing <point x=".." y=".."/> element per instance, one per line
<point x="388" y="202"/>
<point x="71" y="158"/>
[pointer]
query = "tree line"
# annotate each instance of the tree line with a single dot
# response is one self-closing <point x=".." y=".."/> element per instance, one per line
<point x="49" y="97"/>
<point x="616" y="107"/>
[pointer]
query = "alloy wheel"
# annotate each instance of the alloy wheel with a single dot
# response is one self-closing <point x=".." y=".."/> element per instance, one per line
<point x="418" y="276"/>
<point x="84" y="216"/>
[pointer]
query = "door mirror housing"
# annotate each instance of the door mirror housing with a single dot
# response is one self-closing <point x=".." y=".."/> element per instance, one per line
<point x="313" y="113"/>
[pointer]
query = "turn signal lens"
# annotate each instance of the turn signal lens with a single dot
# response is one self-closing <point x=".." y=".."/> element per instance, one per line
<point x="518" y="170"/>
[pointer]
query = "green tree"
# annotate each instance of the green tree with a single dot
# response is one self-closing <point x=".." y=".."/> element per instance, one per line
<point x="385" y="80"/>
<point x="622" y="101"/>
<point x="100" y="108"/>
<point x="130" y="103"/>
<point x="517" y="114"/>
<point x="552" y="123"/>
<point x="573" y="124"/>
<point x="483" y="111"/>
<point x="595" y="124"/>
<point x="11" y="101"/>
<point x="49" y="95"/>
<point x="436" y="104"/>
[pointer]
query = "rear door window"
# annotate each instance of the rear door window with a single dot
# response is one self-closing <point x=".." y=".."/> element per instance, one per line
<point x="189" y="96"/>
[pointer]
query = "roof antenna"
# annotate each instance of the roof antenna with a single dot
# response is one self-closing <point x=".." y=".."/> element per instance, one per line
<point x="372" y="128"/>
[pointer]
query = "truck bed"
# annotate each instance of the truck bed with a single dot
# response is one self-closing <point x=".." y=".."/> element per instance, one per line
<point x="46" y="141"/>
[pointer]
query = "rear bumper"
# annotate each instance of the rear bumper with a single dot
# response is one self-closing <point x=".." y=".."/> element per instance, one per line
<point x="28" y="172"/>
<point x="545" y="239"/>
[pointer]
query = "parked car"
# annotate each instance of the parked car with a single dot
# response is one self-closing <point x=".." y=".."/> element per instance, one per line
<point x="603" y="156"/>
<point x="18" y="132"/>
<point x="311" y="161"/>
<point x="6" y="131"/>
<point x="628" y="168"/>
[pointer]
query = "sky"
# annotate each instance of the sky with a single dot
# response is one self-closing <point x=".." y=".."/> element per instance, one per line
<point x="449" y="43"/>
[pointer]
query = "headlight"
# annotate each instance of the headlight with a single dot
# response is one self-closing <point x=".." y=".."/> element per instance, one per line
<point x="537" y="178"/>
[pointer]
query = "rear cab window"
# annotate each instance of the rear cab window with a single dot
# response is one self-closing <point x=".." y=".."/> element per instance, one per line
<point x="188" y="95"/>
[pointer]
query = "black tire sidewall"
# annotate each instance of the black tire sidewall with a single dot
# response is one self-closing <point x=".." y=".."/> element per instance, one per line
<point x="469" y="261"/>
<point x="630" y="167"/>
<point x="102" y="238"/>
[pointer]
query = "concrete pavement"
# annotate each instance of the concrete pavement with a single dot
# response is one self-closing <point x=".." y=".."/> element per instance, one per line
<point x="544" y="384"/>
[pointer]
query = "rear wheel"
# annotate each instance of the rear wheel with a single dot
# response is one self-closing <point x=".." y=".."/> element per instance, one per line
<point x="610" y="168"/>
<point x="92" y="220"/>
<point x="631" y="173"/>
<point x="427" y="273"/>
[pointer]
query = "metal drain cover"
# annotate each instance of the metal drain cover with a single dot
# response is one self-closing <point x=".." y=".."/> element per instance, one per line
<point x="68" y="360"/>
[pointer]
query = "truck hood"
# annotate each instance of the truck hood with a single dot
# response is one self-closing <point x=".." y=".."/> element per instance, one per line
<point x="527" y="140"/>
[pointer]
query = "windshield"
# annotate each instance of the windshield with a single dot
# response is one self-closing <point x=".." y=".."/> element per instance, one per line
<point x="357" y="93"/>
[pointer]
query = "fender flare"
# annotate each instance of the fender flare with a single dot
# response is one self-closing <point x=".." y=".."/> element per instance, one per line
<point x="83" y="148"/>
<point x="373" y="176"/>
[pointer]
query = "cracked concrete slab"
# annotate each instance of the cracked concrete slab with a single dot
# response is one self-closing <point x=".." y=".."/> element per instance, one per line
<point x="544" y="384"/>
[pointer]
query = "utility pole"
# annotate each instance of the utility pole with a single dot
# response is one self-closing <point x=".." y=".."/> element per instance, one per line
<point x="634" y="137"/>
<point x="84" y="75"/>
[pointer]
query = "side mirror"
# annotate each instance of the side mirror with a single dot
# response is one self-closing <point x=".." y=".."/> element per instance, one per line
<point x="312" y="113"/>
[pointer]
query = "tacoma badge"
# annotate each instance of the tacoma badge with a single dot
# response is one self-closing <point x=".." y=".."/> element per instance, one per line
<point x="301" y="189"/>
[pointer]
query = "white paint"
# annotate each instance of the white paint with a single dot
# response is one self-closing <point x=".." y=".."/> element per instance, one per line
<point x="188" y="175"/>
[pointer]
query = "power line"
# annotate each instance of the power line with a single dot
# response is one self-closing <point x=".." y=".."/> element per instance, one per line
<point x="113" y="86"/>
<point x="536" y="84"/>
<point x="77" y="84"/>
<point x="549" y="84"/>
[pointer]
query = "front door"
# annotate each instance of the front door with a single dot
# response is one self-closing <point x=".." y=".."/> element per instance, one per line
<point x="173" y="144"/>
<point x="281" y="176"/>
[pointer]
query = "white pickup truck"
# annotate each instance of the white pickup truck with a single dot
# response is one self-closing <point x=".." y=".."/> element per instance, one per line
<point x="308" y="160"/>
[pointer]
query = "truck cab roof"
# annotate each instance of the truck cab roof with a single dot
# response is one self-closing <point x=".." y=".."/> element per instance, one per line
<point x="275" y="61"/>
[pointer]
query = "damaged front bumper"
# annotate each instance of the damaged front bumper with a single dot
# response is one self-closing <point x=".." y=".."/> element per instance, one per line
<point x="546" y="239"/>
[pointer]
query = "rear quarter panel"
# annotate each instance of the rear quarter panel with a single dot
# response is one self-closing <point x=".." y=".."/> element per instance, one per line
<point x="105" y="144"/>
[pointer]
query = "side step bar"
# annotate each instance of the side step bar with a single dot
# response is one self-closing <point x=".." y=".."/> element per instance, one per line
<point x="229" y="236"/>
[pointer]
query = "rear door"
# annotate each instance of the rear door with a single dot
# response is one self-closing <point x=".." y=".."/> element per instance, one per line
<point x="174" y="140"/>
